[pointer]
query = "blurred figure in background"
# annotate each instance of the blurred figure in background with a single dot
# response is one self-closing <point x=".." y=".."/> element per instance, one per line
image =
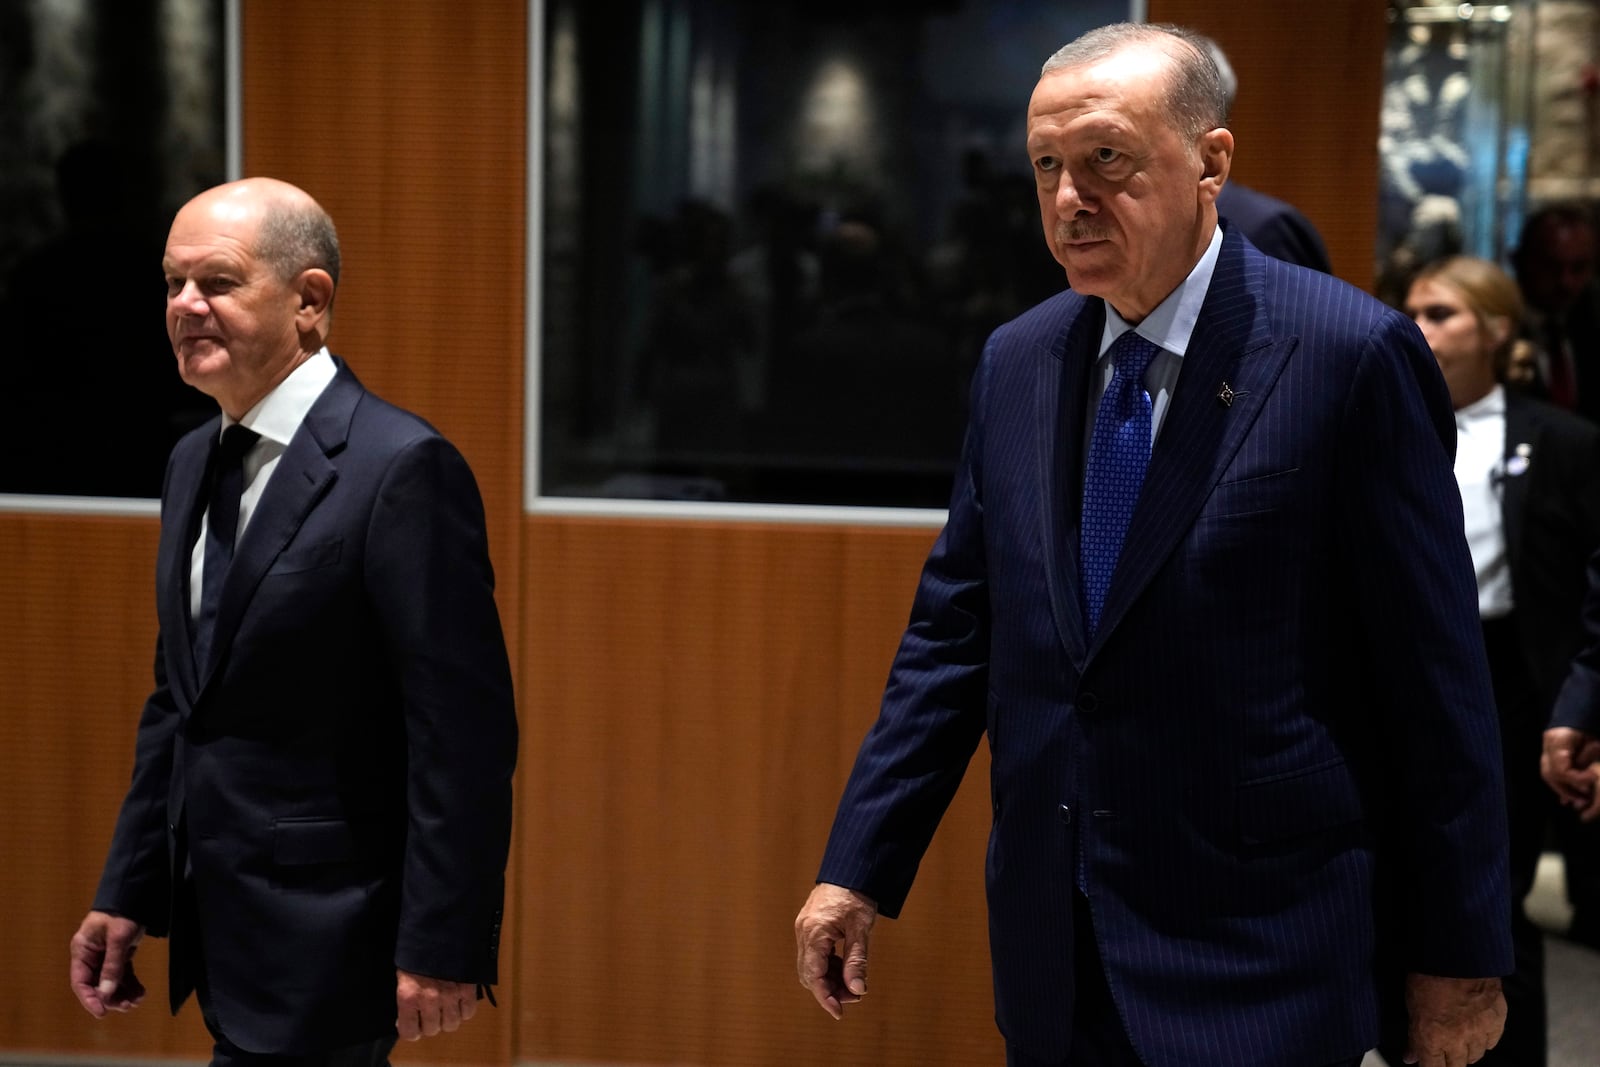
<point x="1529" y="475"/>
<point x="1555" y="265"/>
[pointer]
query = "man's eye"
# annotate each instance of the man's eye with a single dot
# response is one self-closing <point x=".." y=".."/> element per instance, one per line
<point x="1045" y="163"/>
<point x="1106" y="155"/>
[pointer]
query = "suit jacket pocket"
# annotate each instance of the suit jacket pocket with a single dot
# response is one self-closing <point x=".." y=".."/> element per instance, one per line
<point x="297" y="558"/>
<point x="1253" y="495"/>
<point x="1300" y="802"/>
<point x="296" y="842"/>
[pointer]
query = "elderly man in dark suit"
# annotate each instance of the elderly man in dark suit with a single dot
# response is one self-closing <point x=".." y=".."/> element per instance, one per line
<point x="320" y="810"/>
<point x="1204" y="586"/>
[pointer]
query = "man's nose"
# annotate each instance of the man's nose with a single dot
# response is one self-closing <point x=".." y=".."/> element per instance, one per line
<point x="1069" y="198"/>
<point x="187" y="300"/>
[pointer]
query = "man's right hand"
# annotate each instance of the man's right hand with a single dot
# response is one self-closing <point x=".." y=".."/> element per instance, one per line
<point x="834" y="917"/>
<point x="1570" y="765"/>
<point x="102" y="964"/>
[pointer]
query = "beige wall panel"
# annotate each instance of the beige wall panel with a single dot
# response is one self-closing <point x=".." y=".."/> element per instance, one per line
<point x="696" y="697"/>
<point x="1306" y="120"/>
<point x="77" y="640"/>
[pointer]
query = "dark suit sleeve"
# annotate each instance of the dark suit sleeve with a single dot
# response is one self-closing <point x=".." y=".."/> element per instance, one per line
<point x="136" y="881"/>
<point x="1578" y="705"/>
<point x="1289" y="236"/>
<point x="1424" y="677"/>
<point x="431" y="582"/>
<point x="932" y="716"/>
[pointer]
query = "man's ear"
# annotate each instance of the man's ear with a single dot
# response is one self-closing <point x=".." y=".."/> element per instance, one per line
<point x="1216" y="160"/>
<point x="315" y="287"/>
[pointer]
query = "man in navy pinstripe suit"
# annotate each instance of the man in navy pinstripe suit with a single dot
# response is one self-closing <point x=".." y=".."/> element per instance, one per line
<point x="1267" y="779"/>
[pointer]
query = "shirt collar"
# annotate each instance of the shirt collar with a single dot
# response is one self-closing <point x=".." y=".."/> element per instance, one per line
<point x="279" y="414"/>
<point x="1171" y="324"/>
<point x="1488" y="406"/>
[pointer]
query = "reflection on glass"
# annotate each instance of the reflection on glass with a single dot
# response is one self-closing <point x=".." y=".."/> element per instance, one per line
<point x="111" y="116"/>
<point x="776" y="237"/>
<point x="1453" y="134"/>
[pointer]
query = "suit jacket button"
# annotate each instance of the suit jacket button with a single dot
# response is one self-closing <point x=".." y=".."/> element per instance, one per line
<point x="1066" y="814"/>
<point x="1088" y="703"/>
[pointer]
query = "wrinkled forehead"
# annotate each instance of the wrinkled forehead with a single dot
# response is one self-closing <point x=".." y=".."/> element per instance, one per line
<point x="1126" y="87"/>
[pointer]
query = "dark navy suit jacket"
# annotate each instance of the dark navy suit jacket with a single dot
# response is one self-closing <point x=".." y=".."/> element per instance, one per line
<point x="1274" y="226"/>
<point x="338" y="777"/>
<point x="1283" y="734"/>
<point x="1550" y="508"/>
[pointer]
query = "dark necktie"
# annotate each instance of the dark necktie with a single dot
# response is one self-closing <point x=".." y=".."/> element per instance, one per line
<point x="1119" y="452"/>
<point x="1562" y="385"/>
<point x="222" y="526"/>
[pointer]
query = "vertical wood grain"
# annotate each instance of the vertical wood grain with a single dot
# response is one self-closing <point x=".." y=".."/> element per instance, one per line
<point x="1306" y="117"/>
<point x="697" y="696"/>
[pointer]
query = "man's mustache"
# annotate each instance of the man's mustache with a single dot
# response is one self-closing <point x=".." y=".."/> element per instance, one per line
<point x="1076" y="230"/>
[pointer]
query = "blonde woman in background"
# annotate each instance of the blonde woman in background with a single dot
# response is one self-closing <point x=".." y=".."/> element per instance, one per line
<point x="1529" y="475"/>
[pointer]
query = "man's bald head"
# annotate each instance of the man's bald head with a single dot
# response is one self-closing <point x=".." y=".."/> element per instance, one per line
<point x="293" y="232"/>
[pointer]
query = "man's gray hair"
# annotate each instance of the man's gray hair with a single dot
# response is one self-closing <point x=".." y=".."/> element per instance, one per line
<point x="1230" y="80"/>
<point x="1195" y="98"/>
<point x="296" y="237"/>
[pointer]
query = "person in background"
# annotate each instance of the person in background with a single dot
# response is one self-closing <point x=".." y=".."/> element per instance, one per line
<point x="1570" y="763"/>
<point x="1203" y="584"/>
<point x="320" y="811"/>
<point x="1554" y="263"/>
<point x="1274" y="226"/>
<point x="1530" y="488"/>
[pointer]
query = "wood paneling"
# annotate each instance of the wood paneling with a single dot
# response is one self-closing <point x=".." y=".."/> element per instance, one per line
<point x="77" y="640"/>
<point x="693" y="701"/>
<point x="1306" y="118"/>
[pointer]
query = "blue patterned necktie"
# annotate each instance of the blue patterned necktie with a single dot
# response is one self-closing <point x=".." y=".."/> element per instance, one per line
<point x="222" y="527"/>
<point x="1119" y="452"/>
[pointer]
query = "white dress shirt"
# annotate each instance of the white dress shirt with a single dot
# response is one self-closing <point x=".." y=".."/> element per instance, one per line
<point x="1170" y="326"/>
<point x="1480" y="470"/>
<point x="276" y="418"/>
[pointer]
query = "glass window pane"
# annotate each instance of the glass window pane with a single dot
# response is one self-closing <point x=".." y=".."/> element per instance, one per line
<point x="776" y="236"/>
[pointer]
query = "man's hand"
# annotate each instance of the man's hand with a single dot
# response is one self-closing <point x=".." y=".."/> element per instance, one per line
<point x="102" y="964"/>
<point x="425" y="1006"/>
<point x="834" y="918"/>
<point x="1570" y="765"/>
<point x="1453" y="1021"/>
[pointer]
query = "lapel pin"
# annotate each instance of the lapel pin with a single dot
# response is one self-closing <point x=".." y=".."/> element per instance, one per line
<point x="1227" y="395"/>
<point x="1518" y="462"/>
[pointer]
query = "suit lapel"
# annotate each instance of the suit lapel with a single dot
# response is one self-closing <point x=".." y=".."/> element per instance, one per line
<point x="180" y="525"/>
<point x="1062" y="394"/>
<point x="304" y="474"/>
<point x="1516" y="470"/>
<point x="1231" y="347"/>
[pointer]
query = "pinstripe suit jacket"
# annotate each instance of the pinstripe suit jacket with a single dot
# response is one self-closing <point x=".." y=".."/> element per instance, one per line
<point x="1281" y="739"/>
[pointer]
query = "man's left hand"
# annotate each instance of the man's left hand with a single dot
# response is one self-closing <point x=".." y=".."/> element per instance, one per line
<point x="427" y="1006"/>
<point x="1453" y="1021"/>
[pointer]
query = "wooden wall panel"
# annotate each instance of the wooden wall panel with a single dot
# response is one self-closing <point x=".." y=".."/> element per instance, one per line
<point x="695" y="695"/>
<point x="1306" y="118"/>
<point x="77" y="640"/>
